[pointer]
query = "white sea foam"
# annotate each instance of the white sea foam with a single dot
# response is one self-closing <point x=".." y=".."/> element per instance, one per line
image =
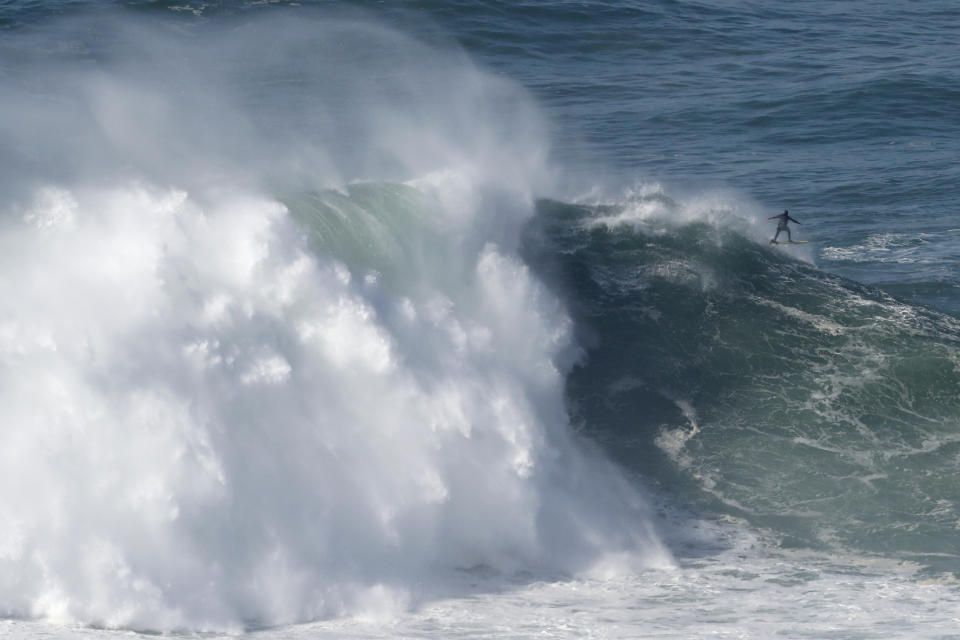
<point x="886" y="247"/>
<point x="206" y="425"/>
<point x="735" y="588"/>
<point x="656" y="209"/>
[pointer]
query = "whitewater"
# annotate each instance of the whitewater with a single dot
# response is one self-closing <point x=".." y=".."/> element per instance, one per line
<point x="313" y="324"/>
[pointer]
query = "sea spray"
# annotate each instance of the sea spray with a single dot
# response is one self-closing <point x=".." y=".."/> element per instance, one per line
<point x="213" y="417"/>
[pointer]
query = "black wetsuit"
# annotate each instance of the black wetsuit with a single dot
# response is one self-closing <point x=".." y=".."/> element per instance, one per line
<point x="782" y="225"/>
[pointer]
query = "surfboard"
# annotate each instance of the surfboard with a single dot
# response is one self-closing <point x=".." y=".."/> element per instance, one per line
<point x="789" y="241"/>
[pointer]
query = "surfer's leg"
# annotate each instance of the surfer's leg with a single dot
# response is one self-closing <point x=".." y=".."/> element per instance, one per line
<point x="789" y="239"/>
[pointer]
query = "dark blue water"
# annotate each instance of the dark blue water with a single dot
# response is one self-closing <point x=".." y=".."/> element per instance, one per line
<point x="843" y="113"/>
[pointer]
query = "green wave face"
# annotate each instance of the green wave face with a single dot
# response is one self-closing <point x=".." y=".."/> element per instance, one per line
<point x="758" y="386"/>
<point x="386" y="228"/>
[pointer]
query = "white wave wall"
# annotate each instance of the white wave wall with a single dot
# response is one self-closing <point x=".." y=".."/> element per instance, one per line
<point x="205" y="425"/>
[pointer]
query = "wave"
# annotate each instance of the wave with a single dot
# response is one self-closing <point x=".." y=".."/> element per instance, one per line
<point x="285" y="335"/>
<point x="269" y="353"/>
<point x="743" y="380"/>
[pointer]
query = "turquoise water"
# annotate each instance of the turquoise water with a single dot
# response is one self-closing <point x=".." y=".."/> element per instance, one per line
<point x="760" y="386"/>
<point x="423" y="318"/>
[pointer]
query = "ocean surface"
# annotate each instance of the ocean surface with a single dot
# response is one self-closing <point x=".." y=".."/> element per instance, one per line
<point x="460" y="319"/>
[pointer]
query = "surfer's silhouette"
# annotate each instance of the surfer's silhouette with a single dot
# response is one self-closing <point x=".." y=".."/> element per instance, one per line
<point x="782" y="226"/>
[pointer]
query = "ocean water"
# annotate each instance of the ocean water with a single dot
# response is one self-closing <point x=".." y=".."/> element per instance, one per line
<point x="457" y="319"/>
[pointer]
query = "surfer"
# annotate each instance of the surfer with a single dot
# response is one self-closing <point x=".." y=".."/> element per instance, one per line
<point x="782" y="226"/>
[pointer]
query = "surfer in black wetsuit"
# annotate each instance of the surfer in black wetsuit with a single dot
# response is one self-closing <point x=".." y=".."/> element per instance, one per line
<point x="782" y="226"/>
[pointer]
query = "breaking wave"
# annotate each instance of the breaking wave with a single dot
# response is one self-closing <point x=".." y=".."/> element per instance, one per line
<point x="268" y="351"/>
